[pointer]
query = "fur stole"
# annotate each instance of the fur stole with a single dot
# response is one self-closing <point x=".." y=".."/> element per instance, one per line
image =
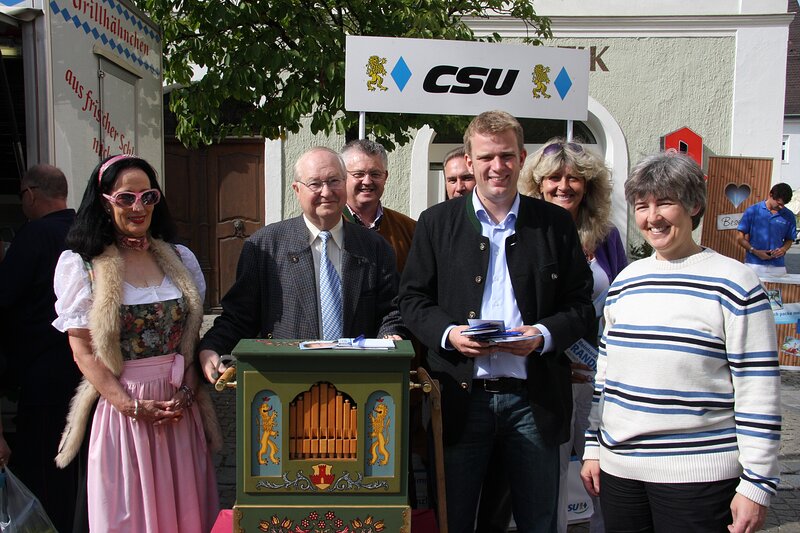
<point x="104" y="324"/>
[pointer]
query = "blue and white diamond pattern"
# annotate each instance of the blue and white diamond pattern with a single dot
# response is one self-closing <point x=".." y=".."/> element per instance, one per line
<point x="100" y="36"/>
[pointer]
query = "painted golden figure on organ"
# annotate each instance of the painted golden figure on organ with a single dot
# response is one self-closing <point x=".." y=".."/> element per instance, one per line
<point x="268" y="421"/>
<point x="379" y="421"/>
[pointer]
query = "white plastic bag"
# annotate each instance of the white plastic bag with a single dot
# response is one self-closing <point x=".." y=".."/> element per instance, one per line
<point x="20" y="510"/>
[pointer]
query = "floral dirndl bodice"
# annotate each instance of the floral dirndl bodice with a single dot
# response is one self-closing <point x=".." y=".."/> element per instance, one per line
<point x="152" y="329"/>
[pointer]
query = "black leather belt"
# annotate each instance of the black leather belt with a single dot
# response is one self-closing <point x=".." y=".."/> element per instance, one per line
<point x="496" y="385"/>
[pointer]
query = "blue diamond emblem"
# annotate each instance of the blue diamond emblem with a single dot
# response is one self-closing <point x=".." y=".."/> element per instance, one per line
<point x="563" y="83"/>
<point x="401" y="73"/>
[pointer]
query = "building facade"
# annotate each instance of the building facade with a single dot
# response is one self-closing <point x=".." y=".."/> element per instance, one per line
<point x="717" y="67"/>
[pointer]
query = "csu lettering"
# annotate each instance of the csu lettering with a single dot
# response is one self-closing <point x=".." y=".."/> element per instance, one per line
<point x="469" y="80"/>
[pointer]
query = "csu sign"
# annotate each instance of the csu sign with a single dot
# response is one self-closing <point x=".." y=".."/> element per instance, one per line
<point x="393" y="75"/>
<point x="471" y="80"/>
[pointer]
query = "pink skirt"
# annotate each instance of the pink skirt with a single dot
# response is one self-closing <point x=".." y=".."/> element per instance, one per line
<point x="147" y="478"/>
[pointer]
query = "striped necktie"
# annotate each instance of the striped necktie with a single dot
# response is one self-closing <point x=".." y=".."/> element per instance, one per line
<point x="330" y="293"/>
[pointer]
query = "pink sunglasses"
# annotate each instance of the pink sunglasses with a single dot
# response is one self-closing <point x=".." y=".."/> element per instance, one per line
<point x="129" y="199"/>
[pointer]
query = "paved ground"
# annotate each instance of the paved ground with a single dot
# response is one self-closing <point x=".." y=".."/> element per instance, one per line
<point x="784" y="513"/>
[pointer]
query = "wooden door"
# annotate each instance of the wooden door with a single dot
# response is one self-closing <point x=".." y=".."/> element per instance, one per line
<point x="236" y="175"/>
<point x="216" y="195"/>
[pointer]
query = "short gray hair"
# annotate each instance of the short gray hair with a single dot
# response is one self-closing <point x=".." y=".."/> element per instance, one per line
<point x="452" y="154"/>
<point x="669" y="175"/>
<point x="368" y="147"/>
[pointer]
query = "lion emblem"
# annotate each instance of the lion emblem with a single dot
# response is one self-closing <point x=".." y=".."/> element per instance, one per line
<point x="376" y="70"/>
<point x="379" y="421"/>
<point x="267" y="426"/>
<point x="540" y="80"/>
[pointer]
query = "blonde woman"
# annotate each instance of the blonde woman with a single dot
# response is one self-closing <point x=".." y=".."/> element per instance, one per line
<point x="568" y="175"/>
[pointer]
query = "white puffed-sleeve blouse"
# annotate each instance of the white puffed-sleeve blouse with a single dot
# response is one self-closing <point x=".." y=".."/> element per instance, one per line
<point x="74" y="292"/>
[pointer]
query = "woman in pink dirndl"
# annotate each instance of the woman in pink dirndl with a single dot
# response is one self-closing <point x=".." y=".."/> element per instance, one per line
<point x="131" y="303"/>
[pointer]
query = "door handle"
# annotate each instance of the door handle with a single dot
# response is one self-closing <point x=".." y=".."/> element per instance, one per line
<point x="238" y="228"/>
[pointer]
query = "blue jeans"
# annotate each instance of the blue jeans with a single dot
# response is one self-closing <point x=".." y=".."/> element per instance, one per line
<point x="505" y="421"/>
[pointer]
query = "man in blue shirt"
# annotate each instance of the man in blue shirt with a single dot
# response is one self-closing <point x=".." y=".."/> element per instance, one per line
<point x="494" y="254"/>
<point x="767" y="231"/>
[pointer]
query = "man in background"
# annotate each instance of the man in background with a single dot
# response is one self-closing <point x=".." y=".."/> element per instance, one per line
<point x="458" y="180"/>
<point x="367" y="173"/>
<point x="767" y="231"/>
<point x="40" y="366"/>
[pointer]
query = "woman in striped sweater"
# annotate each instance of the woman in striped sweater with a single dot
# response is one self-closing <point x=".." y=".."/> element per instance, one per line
<point x="685" y="427"/>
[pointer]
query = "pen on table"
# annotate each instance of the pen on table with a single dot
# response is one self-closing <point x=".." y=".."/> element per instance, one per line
<point x="358" y="339"/>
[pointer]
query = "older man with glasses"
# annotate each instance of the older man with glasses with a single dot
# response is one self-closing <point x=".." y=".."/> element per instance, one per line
<point x="312" y="276"/>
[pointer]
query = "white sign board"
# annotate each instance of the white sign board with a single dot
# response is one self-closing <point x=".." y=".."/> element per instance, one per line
<point x="439" y="77"/>
<point x="729" y="221"/>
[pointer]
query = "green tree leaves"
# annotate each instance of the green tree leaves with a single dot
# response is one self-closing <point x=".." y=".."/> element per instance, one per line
<point x="278" y="61"/>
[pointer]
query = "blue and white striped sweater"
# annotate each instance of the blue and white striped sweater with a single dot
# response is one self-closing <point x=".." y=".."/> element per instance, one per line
<point x="688" y="385"/>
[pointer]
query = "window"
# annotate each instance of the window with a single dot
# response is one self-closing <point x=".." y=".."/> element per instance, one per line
<point x="785" y="149"/>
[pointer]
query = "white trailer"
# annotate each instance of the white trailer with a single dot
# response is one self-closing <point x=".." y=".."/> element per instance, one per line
<point x="92" y="74"/>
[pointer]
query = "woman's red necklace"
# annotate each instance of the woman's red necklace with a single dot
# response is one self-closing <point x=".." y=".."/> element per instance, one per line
<point x="133" y="243"/>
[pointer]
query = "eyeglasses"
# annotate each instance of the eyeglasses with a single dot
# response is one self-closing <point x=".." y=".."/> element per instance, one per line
<point x="26" y="189"/>
<point x="129" y="199"/>
<point x="316" y="186"/>
<point x="374" y="175"/>
<point x="558" y="146"/>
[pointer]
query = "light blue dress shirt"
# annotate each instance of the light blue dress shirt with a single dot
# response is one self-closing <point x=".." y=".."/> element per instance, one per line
<point x="498" y="301"/>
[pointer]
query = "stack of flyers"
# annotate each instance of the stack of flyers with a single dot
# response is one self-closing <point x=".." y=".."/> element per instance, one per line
<point x="357" y="343"/>
<point x="493" y="332"/>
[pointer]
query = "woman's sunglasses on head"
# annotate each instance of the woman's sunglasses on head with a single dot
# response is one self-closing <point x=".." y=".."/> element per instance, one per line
<point x="556" y="147"/>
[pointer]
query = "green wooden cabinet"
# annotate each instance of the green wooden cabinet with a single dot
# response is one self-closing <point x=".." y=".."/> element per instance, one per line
<point x="321" y="438"/>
